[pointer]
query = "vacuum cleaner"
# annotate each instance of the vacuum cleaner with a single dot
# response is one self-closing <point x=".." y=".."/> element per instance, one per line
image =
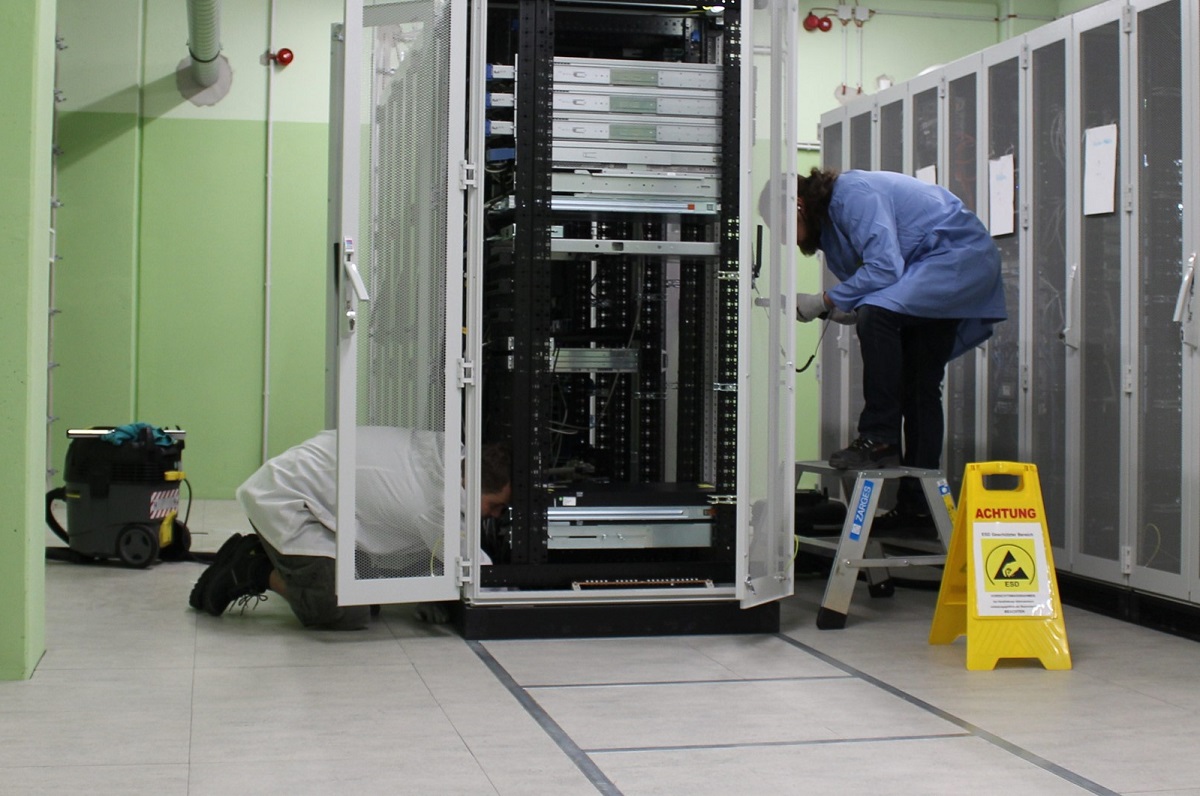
<point x="122" y="488"/>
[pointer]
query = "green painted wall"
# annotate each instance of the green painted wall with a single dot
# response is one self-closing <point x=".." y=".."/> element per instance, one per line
<point x="164" y="234"/>
<point x="200" y="293"/>
<point x="26" y="129"/>
<point x="95" y="332"/>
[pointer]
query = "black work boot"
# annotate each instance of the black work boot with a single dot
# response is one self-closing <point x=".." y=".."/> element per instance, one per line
<point x="865" y="454"/>
<point x="224" y="553"/>
<point x="244" y="575"/>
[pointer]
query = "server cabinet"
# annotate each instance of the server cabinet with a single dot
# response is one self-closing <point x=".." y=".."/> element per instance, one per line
<point x="862" y="133"/>
<point x="833" y="144"/>
<point x="1187" y="313"/>
<point x="581" y="244"/>
<point x="861" y="155"/>
<point x="925" y="131"/>
<point x="1156" y="509"/>
<point x="964" y="175"/>
<point x="1044" y="279"/>
<point x="1003" y="94"/>
<point x="1094" y="324"/>
<point x="838" y="345"/>
<point x="891" y="107"/>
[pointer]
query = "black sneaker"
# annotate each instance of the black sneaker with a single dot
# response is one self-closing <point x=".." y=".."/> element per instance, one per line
<point x="224" y="553"/>
<point x="864" y="454"/>
<point x="244" y="575"/>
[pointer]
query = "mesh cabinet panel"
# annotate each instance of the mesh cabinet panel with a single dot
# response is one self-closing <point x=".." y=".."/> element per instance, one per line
<point x="402" y="333"/>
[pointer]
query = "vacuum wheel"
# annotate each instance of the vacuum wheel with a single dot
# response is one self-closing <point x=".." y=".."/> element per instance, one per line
<point x="137" y="546"/>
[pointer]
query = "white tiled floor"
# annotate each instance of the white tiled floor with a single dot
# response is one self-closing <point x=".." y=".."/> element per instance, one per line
<point x="138" y="694"/>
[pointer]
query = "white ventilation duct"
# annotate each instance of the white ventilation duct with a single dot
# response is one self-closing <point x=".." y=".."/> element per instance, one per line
<point x="204" y="40"/>
<point x="204" y="76"/>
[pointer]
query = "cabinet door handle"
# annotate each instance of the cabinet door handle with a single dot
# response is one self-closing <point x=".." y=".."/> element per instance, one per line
<point x="1069" y="334"/>
<point x="1183" y="304"/>
<point x="1185" y="289"/>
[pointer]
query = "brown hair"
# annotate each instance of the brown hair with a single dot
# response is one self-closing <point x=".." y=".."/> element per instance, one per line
<point x="814" y="192"/>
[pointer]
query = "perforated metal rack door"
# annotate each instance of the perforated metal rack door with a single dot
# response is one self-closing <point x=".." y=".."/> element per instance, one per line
<point x="1158" y="269"/>
<point x="399" y="403"/>
<point x="1047" y="270"/>
<point x="1096" y="326"/>
<point x="766" y="456"/>
<point x="961" y="176"/>
<point x="1003" y="87"/>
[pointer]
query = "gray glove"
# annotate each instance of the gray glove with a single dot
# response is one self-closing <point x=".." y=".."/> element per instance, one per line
<point x="843" y="317"/>
<point x="810" y="306"/>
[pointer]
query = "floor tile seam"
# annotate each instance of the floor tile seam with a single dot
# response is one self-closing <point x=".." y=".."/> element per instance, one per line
<point x="712" y="681"/>
<point x="770" y="744"/>
<point x="574" y="753"/>
<point x="1002" y="743"/>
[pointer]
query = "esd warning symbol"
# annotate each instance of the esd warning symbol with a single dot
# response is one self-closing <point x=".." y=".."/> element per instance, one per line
<point x="1010" y="565"/>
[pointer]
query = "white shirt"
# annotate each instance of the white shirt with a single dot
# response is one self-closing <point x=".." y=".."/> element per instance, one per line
<point x="399" y="505"/>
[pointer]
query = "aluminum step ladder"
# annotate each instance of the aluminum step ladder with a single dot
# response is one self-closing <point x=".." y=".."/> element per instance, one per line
<point x="855" y="551"/>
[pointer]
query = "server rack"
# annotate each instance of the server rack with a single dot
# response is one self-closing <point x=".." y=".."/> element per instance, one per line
<point x="614" y="326"/>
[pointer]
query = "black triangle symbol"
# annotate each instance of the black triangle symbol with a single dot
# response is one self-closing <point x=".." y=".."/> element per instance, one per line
<point x="1017" y="574"/>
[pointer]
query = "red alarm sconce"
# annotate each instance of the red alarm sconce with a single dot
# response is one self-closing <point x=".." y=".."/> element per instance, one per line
<point x="813" y="22"/>
<point x="283" y="56"/>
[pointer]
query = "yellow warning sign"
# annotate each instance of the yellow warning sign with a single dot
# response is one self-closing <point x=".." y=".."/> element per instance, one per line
<point x="999" y="587"/>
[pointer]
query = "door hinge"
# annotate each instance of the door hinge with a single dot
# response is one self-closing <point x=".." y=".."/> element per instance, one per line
<point x="1126" y="560"/>
<point x="466" y="372"/>
<point x="465" y="575"/>
<point x="466" y="175"/>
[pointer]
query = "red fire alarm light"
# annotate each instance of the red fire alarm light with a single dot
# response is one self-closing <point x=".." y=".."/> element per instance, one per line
<point x="283" y="57"/>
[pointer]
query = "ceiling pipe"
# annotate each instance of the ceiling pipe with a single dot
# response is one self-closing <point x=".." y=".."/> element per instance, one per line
<point x="204" y="40"/>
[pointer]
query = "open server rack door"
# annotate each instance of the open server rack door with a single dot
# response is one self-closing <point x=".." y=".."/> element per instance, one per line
<point x="609" y="354"/>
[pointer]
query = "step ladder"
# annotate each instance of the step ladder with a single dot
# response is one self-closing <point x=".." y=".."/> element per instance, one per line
<point x="856" y="551"/>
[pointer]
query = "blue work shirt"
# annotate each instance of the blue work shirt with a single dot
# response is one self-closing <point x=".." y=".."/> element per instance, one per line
<point x="910" y="247"/>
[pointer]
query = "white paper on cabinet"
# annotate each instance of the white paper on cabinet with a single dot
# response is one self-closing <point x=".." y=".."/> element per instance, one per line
<point x="1100" y="170"/>
<point x="927" y="174"/>
<point x="1000" y="185"/>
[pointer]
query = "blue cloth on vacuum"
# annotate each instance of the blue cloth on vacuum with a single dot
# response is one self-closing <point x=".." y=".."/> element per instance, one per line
<point x="133" y="432"/>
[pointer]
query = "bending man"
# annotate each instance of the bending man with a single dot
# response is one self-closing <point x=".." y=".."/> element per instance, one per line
<point x="291" y="503"/>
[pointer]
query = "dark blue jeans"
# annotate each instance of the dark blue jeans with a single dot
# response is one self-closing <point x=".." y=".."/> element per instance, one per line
<point x="904" y="362"/>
